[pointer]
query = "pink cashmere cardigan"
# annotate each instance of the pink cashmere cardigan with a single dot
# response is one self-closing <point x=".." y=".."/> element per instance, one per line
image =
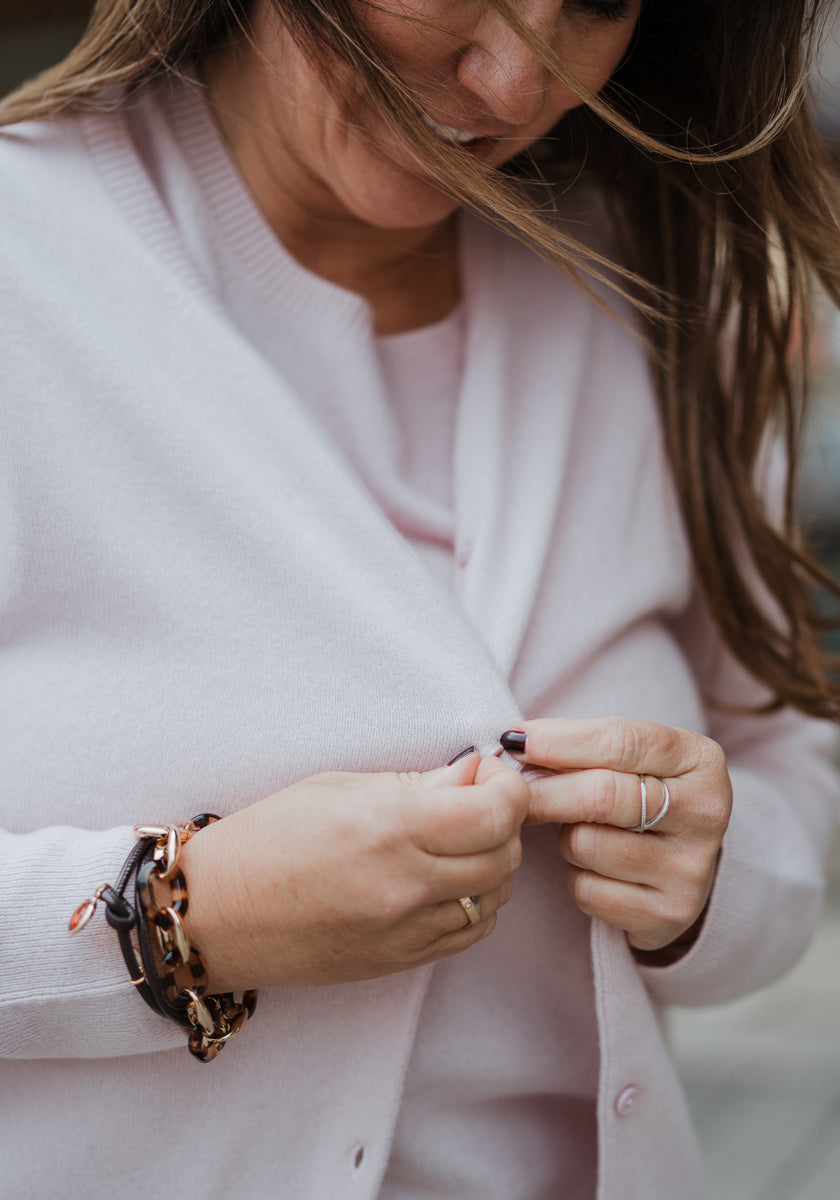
<point x="199" y="604"/>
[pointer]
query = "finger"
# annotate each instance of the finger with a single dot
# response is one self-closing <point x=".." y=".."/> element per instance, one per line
<point x="490" y="767"/>
<point x="603" y="797"/>
<point x="457" y="933"/>
<point x="448" y="820"/>
<point x="650" y="917"/>
<point x="460" y="772"/>
<point x="617" y="854"/>
<point x="473" y="874"/>
<point x="461" y="939"/>
<point x="618" y="743"/>
<point x="449" y="917"/>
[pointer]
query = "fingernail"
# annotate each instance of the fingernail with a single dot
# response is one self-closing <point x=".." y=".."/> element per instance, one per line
<point x="463" y="754"/>
<point x="513" y="740"/>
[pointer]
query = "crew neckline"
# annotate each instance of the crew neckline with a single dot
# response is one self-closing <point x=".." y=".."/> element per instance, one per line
<point x="276" y="277"/>
<point x="272" y="270"/>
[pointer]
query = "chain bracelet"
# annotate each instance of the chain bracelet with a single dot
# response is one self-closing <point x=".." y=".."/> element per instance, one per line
<point x="170" y="975"/>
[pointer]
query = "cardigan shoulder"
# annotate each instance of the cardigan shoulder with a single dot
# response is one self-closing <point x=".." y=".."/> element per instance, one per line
<point x="48" y="183"/>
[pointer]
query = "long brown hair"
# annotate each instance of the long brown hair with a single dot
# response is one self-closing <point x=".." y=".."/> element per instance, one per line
<point x="725" y="212"/>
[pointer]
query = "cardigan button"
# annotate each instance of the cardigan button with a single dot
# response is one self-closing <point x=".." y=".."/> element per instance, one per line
<point x="626" y="1100"/>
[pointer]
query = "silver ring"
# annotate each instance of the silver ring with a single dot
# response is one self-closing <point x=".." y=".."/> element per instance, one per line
<point x="644" y="824"/>
<point x="472" y="908"/>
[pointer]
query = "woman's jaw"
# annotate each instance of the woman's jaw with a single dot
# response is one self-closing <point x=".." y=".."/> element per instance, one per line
<point x="313" y="150"/>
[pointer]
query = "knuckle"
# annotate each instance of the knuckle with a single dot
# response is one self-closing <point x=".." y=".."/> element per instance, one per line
<point x="664" y="741"/>
<point x="719" y="814"/>
<point x="696" y="871"/>
<point x="623" y="744"/>
<point x="605" y="799"/>
<point x="703" y="862"/>
<point x="415" y="945"/>
<point x="684" y="915"/>
<point x="661" y="906"/>
<point x="485" y="928"/>
<point x="410" y="778"/>
<point x="581" y="841"/>
<point x="714" y="809"/>
<point x="491" y="825"/>
<point x="711" y="756"/>
<point x="580" y="884"/>
<point x="676" y="910"/>
<point x="393" y="902"/>
<point x="517" y="800"/>
<point x="551" y="743"/>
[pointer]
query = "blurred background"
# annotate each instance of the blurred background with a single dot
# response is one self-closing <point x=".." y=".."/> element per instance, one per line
<point x="763" y="1074"/>
<point x="36" y="33"/>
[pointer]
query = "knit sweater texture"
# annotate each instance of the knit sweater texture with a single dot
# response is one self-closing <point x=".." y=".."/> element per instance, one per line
<point x="203" y="601"/>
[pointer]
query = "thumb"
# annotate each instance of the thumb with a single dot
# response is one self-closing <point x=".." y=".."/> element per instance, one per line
<point x="460" y="773"/>
<point x="490" y="767"/>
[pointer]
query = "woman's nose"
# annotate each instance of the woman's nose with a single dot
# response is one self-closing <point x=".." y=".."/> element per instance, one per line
<point x="499" y="69"/>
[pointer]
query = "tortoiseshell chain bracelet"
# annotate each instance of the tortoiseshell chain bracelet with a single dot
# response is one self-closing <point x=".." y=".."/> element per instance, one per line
<point x="170" y="974"/>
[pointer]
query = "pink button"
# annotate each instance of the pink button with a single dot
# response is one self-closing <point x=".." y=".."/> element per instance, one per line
<point x="626" y="1100"/>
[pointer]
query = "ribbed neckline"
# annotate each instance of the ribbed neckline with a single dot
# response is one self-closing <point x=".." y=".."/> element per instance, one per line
<point x="271" y="270"/>
<point x="276" y="277"/>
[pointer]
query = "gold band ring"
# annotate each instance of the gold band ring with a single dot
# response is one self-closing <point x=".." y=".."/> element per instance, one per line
<point x="472" y="908"/>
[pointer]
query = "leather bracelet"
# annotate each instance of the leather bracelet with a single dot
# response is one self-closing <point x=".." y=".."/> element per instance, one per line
<point x="169" y="973"/>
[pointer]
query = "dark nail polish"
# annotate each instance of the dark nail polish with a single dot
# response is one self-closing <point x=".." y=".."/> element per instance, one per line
<point x="513" y="740"/>
<point x="463" y="754"/>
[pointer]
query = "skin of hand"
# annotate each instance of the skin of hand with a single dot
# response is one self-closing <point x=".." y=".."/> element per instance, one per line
<point x="654" y="886"/>
<point x="354" y="876"/>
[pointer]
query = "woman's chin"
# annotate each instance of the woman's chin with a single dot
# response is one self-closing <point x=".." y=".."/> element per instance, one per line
<point x="402" y="203"/>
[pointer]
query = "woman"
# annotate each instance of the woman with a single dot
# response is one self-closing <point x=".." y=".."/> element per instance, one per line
<point x="309" y="469"/>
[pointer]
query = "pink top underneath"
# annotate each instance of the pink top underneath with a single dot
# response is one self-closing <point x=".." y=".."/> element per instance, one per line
<point x="500" y="1092"/>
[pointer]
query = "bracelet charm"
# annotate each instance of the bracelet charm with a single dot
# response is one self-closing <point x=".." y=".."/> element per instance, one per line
<point x="168" y="972"/>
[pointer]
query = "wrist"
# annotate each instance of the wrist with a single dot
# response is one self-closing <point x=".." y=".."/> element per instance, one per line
<point x="165" y="965"/>
<point x="216" y="920"/>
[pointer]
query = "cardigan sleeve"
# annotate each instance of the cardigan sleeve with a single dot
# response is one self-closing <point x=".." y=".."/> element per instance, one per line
<point x="767" y="896"/>
<point x="64" y="996"/>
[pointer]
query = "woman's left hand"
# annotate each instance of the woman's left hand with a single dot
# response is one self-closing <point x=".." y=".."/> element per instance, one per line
<point x="653" y="885"/>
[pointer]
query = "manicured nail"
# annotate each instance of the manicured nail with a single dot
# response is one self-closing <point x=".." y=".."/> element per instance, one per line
<point x="463" y="754"/>
<point x="513" y="740"/>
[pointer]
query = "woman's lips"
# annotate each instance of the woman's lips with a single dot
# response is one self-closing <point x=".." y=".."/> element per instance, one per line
<point x="456" y="136"/>
<point x="481" y="147"/>
<point x="450" y="133"/>
<point x="477" y="145"/>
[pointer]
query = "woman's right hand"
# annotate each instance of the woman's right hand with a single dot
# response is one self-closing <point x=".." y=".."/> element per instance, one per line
<point x="351" y="876"/>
